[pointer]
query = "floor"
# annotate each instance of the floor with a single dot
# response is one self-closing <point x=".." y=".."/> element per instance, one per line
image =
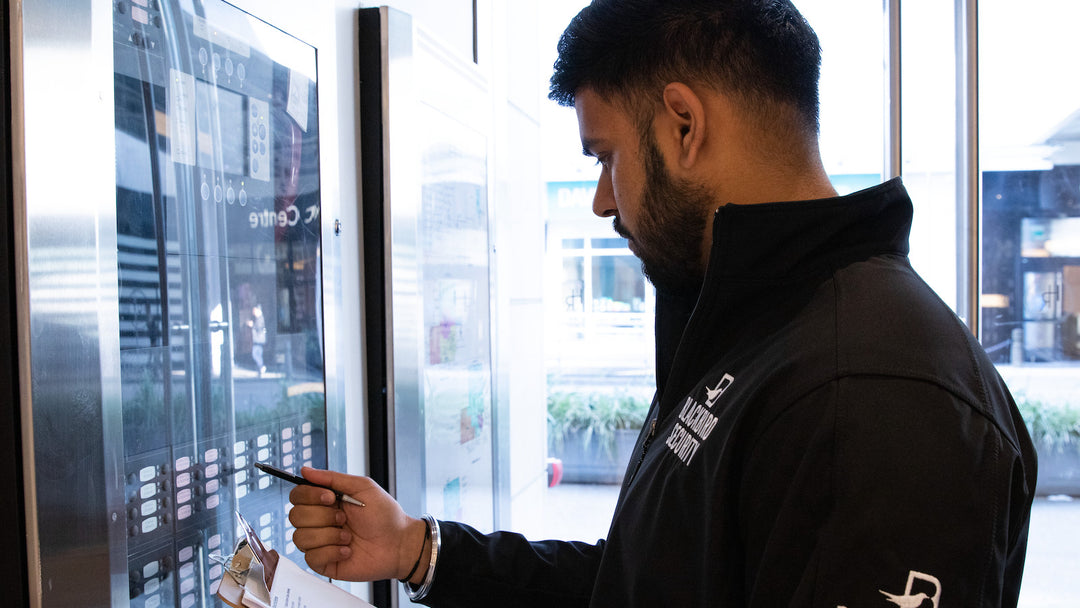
<point x="1051" y="576"/>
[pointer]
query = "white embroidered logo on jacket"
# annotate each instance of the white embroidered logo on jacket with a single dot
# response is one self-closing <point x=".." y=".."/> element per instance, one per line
<point x="712" y="394"/>
<point x="696" y="422"/>
<point x="914" y="600"/>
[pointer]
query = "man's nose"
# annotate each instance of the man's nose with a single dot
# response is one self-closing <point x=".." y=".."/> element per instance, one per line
<point x="603" y="203"/>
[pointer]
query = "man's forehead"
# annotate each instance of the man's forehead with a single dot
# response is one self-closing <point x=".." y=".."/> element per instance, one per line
<point x="586" y="101"/>
<point x="598" y="118"/>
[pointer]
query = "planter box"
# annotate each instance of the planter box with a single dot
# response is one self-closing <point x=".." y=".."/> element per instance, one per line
<point x="592" y="463"/>
<point x="1059" y="470"/>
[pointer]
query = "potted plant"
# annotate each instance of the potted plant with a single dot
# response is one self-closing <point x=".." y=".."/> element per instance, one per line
<point x="594" y="433"/>
<point x="1055" y="431"/>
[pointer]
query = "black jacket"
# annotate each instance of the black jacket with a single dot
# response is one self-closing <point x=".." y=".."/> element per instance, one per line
<point x="825" y="433"/>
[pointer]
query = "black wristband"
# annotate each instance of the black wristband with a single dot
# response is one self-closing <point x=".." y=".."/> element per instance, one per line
<point x="423" y="545"/>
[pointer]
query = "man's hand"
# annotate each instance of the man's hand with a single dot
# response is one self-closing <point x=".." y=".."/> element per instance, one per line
<point x="344" y="541"/>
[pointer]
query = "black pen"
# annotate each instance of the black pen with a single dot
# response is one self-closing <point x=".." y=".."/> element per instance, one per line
<point x="300" y="481"/>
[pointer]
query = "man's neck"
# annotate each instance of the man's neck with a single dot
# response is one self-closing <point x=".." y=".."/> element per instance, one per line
<point x="788" y="174"/>
<point x="770" y="182"/>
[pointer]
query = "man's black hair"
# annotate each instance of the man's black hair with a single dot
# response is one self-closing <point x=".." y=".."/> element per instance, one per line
<point x="763" y="53"/>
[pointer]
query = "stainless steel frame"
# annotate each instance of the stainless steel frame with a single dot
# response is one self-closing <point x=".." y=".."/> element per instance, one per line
<point x="403" y="305"/>
<point x="65" y="233"/>
<point x="893" y="134"/>
<point x="968" y="178"/>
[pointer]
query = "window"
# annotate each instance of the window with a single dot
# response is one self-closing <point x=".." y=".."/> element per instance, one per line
<point x="604" y="296"/>
<point x="574" y="283"/>
<point x="1029" y="156"/>
<point x="618" y="285"/>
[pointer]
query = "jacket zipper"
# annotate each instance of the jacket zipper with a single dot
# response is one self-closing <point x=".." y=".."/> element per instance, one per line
<point x="652" y="426"/>
<point x="644" y="449"/>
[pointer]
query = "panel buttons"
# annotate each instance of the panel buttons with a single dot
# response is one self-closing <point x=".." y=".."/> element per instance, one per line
<point x="258" y="130"/>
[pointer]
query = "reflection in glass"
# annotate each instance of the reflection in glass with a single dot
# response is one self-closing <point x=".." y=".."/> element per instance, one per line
<point x="218" y="235"/>
<point x="1030" y="154"/>
<point x="456" y="372"/>
<point x="573" y="282"/>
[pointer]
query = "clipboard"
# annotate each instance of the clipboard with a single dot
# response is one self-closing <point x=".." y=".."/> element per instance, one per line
<point x="257" y="577"/>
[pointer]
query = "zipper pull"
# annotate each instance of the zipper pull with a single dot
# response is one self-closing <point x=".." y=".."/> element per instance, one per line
<point x="644" y="450"/>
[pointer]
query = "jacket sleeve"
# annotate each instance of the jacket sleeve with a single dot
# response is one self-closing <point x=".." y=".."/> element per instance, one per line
<point x="476" y="570"/>
<point x="884" y="492"/>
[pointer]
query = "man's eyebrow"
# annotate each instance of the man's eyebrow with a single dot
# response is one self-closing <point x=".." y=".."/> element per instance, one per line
<point x="587" y="146"/>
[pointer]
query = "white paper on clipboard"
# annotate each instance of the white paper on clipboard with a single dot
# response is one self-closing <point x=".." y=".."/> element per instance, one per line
<point x="295" y="588"/>
<point x="257" y="578"/>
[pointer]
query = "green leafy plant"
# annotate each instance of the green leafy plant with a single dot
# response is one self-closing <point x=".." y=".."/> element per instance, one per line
<point x="596" y="415"/>
<point x="1055" y="426"/>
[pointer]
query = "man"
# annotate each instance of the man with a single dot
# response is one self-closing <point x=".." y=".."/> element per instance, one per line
<point x="825" y="432"/>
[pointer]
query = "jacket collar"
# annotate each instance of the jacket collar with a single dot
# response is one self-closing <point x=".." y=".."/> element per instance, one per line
<point x="791" y="239"/>
<point x="784" y="242"/>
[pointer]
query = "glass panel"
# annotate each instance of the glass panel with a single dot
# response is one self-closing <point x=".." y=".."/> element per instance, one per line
<point x="218" y="235"/>
<point x="617" y="284"/>
<point x="573" y="243"/>
<point x="851" y="89"/>
<point x="455" y="289"/>
<point x="573" y="284"/>
<point x="929" y="139"/>
<point x="1030" y="156"/>
<point x="619" y="243"/>
<point x="1029" y="135"/>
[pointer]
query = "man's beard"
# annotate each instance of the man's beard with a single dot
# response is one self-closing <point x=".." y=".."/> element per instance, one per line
<point x="670" y="233"/>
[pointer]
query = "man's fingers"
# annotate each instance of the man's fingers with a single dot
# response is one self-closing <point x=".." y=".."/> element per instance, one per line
<point x="315" y="539"/>
<point x="319" y="476"/>
<point x="325" y="560"/>
<point x="310" y="495"/>
<point x="309" y="516"/>
<point x="345" y="541"/>
<point x="342" y="482"/>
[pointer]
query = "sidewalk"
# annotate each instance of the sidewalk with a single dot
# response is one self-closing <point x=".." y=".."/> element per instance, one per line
<point x="1052" y="571"/>
<point x="1051" y="575"/>
<point x="579" y="511"/>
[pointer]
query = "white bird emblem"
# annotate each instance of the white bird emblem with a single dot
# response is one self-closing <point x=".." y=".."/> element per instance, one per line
<point x="906" y="601"/>
<point x="712" y="394"/>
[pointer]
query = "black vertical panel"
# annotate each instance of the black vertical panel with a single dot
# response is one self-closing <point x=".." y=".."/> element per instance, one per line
<point x="13" y="571"/>
<point x="475" y="35"/>
<point x="370" y="50"/>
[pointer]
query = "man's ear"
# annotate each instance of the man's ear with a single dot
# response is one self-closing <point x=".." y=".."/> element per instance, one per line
<point x="684" y="122"/>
